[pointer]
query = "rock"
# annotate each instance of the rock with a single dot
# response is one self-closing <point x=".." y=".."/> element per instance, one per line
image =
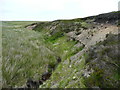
<point x="78" y="45"/>
<point x="31" y="26"/>
<point x="46" y="76"/>
<point x="96" y="88"/>
<point x="105" y="27"/>
<point x="33" y="84"/>
<point x="93" y="27"/>
<point x="87" y="72"/>
<point x="77" y="33"/>
<point x="40" y="82"/>
<point x="74" y="78"/>
<point x="70" y="66"/>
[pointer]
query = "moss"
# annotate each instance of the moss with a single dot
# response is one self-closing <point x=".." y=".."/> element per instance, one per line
<point x="54" y="37"/>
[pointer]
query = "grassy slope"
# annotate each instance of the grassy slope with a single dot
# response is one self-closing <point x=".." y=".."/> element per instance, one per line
<point x="69" y="74"/>
<point x="103" y="60"/>
<point x="24" y="54"/>
<point x="65" y="71"/>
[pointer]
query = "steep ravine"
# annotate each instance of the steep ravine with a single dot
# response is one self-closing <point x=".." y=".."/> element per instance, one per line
<point x="75" y="71"/>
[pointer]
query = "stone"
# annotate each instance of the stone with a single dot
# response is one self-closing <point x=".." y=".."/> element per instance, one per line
<point x="46" y="76"/>
<point x="33" y="84"/>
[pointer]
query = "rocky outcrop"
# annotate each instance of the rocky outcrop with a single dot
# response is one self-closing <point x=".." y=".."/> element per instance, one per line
<point x="31" y="26"/>
<point x="33" y="84"/>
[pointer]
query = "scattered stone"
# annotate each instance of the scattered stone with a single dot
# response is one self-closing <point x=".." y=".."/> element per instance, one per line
<point x="70" y="66"/>
<point x="74" y="78"/>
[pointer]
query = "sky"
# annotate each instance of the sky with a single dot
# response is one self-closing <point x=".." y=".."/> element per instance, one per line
<point x="48" y="10"/>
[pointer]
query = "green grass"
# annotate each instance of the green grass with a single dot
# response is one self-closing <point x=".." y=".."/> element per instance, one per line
<point x="24" y="54"/>
<point x="29" y="53"/>
<point x="67" y="77"/>
<point x="63" y="74"/>
<point x="59" y="43"/>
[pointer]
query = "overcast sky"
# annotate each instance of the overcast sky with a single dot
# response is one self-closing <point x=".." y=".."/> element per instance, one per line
<point x="46" y="10"/>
